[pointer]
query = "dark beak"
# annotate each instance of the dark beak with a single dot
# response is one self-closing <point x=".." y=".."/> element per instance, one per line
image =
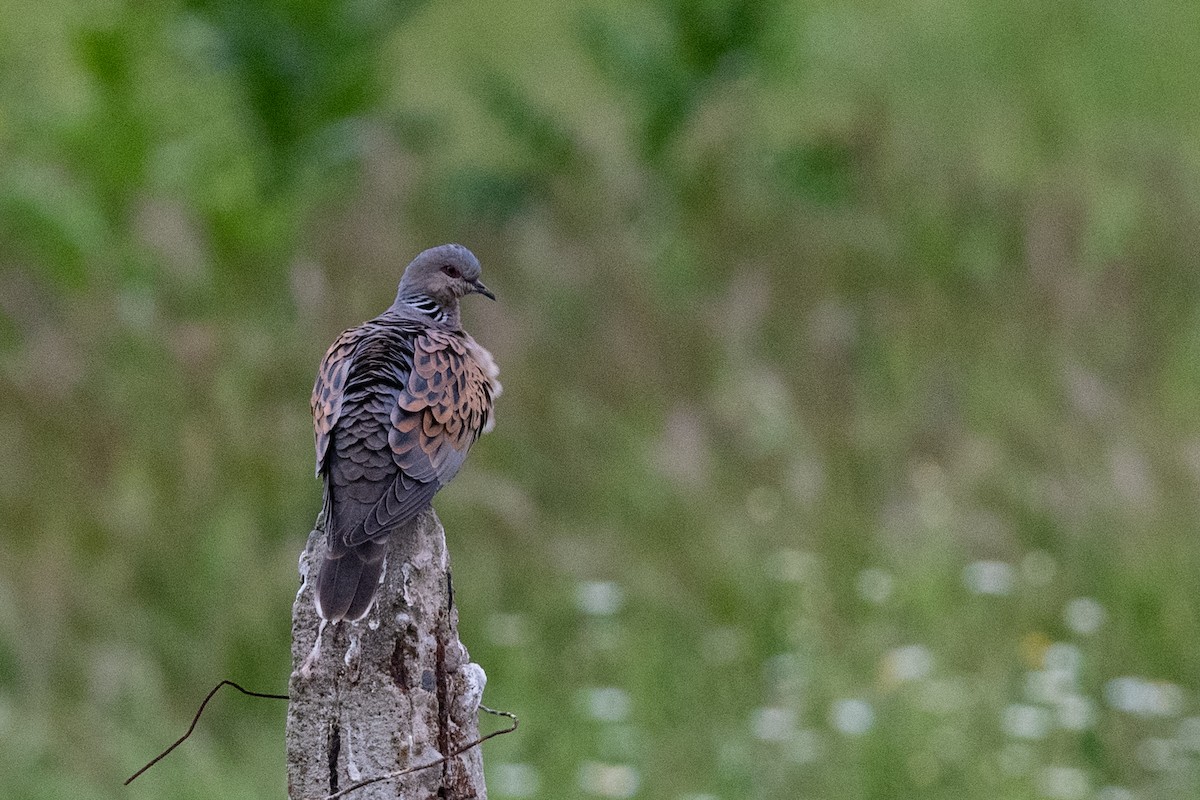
<point x="478" y="287"/>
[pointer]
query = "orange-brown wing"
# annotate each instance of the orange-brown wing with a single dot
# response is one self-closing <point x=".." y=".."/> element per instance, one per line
<point x="330" y="388"/>
<point x="445" y="403"/>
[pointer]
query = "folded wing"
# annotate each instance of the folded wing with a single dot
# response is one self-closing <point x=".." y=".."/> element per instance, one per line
<point x="444" y="403"/>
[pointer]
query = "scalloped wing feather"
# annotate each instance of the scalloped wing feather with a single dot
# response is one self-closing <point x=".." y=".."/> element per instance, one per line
<point x="442" y="409"/>
<point x="329" y="390"/>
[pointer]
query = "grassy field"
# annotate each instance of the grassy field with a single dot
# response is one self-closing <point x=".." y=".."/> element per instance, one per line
<point x="849" y="445"/>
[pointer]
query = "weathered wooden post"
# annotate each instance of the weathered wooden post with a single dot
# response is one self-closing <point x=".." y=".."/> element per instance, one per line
<point x="394" y="691"/>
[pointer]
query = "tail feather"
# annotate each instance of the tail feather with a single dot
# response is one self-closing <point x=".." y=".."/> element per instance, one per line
<point x="347" y="584"/>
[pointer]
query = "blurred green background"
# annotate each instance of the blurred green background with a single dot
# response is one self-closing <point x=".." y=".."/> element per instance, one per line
<point x="850" y="442"/>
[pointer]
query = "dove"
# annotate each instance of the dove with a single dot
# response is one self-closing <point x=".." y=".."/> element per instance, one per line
<point x="397" y="404"/>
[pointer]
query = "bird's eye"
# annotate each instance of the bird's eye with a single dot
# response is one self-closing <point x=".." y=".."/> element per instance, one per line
<point x="452" y="271"/>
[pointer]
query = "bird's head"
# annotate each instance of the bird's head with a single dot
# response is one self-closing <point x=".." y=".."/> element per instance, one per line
<point x="443" y="274"/>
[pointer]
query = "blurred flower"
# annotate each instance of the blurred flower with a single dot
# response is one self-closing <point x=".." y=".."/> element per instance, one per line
<point x="1144" y="698"/>
<point x="1063" y="656"/>
<point x="1033" y="648"/>
<point x="507" y="629"/>
<point x="908" y="663"/>
<point x="1084" y="615"/>
<point x="1076" y="712"/>
<point x="933" y="505"/>
<point x="852" y="717"/>
<point x="599" y="598"/>
<point x="988" y="577"/>
<point x="606" y="703"/>
<point x="137" y="308"/>
<point x="797" y="566"/>
<point x="773" y="724"/>
<point x="1131" y="475"/>
<point x="1049" y="686"/>
<point x="1156" y="755"/>
<point x="1063" y="783"/>
<point x="874" y="585"/>
<point x="620" y="740"/>
<point x="513" y="779"/>
<point x="784" y="675"/>
<point x="805" y="746"/>
<point x="608" y="780"/>
<point x="1023" y="721"/>
<point x="759" y="402"/>
<point x="1189" y="734"/>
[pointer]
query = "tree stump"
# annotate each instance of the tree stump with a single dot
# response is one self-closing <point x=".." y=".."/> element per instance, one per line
<point x="393" y="691"/>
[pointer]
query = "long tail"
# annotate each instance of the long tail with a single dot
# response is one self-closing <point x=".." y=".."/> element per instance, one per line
<point x="347" y="584"/>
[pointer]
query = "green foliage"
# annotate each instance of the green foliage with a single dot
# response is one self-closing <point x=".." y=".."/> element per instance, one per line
<point x="848" y="441"/>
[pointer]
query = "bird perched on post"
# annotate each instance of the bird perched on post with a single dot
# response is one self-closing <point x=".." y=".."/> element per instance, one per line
<point x="398" y="402"/>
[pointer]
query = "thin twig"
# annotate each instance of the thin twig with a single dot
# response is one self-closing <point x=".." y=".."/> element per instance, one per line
<point x="407" y="770"/>
<point x="196" y="719"/>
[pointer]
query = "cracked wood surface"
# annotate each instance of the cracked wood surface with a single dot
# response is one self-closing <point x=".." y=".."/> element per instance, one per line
<point x="392" y="691"/>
